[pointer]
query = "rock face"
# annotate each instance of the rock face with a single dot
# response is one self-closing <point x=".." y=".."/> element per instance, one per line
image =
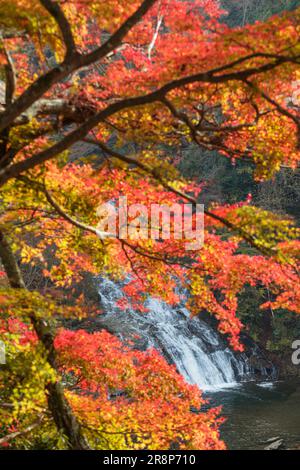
<point x="260" y="365"/>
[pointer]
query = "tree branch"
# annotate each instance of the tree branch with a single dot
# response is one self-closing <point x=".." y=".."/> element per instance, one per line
<point x="152" y="97"/>
<point x="10" y="86"/>
<point x="70" y="219"/>
<point x="280" y="109"/>
<point x="209" y="143"/>
<point x="70" y="65"/>
<point x="57" y="13"/>
<point x="10" y="78"/>
<point x="13" y="435"/>
<point x="276" y="105"/>
<point x="156" y="31"/>
<point x="88" y="228"/>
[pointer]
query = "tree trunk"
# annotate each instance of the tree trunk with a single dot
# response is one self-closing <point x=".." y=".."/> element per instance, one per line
<point x="58" y="405"/>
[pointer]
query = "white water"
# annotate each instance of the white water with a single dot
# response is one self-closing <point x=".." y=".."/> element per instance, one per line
<point x="200" y="353"/>
<point x="196" y="354"/>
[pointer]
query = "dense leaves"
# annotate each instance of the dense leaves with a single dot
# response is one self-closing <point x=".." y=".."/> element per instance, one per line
<point x="124" y="398"/>
<point x="131" y="84"/>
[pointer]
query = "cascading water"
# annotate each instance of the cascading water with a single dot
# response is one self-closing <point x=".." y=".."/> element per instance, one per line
<point x="193" y="346"/>
<point x="199" y="352"/>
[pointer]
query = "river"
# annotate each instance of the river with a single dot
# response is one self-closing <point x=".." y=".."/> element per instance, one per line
<point x="257" y="412"/>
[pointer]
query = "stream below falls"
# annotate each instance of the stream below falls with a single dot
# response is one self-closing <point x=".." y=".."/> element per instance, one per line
<point x="257" y="412"/>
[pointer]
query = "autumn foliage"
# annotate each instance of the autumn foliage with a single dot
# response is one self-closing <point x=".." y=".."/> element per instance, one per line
<point x="98" y="100"/>
<point x="124" y="398"/>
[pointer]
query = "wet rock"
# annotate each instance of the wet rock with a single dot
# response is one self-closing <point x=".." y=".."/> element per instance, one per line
<point x="275" y="445"/>
<point x="272" y="439"/>
<point x="260" y="365"/>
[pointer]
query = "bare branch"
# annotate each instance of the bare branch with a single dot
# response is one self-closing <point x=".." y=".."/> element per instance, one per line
<point x="13" y="435"/>
<point x="156" y="31"/>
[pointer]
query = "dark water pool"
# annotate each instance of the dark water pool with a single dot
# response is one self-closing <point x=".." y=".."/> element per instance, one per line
<point x="257" y="412"/>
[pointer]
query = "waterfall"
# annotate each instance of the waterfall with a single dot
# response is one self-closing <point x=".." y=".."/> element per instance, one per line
<point x="199" y="352"/>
